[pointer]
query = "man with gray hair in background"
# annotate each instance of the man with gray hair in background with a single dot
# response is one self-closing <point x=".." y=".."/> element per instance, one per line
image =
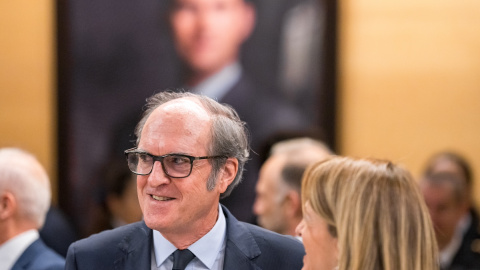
<point x="24" y="200"/>
<point x="278" y="204"/>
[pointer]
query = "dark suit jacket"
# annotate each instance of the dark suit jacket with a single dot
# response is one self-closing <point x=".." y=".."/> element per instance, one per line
<point x="129" y="247"/>
<point x="57" y="232"/>
<point x="468" y="255"/>
<point x="39" y="257"/>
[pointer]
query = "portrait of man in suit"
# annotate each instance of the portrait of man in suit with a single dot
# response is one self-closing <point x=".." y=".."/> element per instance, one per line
<point x="208" y="36"/>
<point x="116" y="53"/>
<point x="190" y="152"/>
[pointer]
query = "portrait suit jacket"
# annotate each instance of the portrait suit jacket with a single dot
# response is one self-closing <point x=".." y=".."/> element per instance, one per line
<point x="130" y="247"/>
<point x="38" y="256"/>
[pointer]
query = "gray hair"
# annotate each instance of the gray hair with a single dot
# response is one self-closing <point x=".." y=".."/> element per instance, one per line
<point x="299" y="153"/>
<point x="23" y="176"/>
<point x="229" y="134"/>
<point x="292" y="146"/>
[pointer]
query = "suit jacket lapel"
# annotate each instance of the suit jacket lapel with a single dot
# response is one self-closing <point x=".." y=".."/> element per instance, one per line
<point x="134" y="251"/>
<point x="241" y="247"/>
<point x="28" y="255"/>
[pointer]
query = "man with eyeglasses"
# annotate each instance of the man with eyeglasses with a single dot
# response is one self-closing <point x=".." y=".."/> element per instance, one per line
<point x="190" y="152"/>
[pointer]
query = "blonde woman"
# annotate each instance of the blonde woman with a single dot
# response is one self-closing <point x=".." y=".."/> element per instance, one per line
<point x="364" y="215"/>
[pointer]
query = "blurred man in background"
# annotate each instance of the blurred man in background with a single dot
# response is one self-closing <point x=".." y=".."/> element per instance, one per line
<point x="447" y="188"/>
<point x="118" y="200"/>
<point x="278" y="204"/>
<point x="24" y="200"/>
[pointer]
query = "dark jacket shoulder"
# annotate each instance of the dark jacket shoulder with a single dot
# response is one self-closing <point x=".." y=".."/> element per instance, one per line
<point x="129" y="247"/>
<point x="39" y="257"/>
<point x="252" y="247"/>
<point x="468" y="255"/>
<point x="120" y="248"/>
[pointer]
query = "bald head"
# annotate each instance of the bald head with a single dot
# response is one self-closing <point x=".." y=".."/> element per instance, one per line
<point x="24" y="179"/>
<point x="228" y="135"/>
<point x="183" y="115"/>
<point x="277" y="203"/>
<point x="299" y="153"/>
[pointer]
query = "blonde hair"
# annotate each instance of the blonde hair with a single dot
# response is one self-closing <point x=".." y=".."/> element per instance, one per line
<point x="376" y="212"/>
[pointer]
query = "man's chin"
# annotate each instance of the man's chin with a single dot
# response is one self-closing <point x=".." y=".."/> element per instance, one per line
<point x="154" y="222"/>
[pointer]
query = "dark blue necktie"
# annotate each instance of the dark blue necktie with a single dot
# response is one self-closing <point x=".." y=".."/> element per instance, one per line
<point x="181" y="258"/>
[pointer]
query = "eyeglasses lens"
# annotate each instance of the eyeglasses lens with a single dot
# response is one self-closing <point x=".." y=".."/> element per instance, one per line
<point x="177" y="166"/>
<point x="174" y="165"/>
<point x="140" y="163"/>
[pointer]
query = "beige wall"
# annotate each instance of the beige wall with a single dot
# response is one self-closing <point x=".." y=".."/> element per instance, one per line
<point x="27" y="96"/>
<point x="410" y="80"/>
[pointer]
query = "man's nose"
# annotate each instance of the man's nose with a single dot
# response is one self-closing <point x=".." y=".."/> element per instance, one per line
<point x="158" y="176"/>
<point x="205" y="19"/>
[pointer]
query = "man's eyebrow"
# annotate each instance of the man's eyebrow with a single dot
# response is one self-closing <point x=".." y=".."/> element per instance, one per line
<point x="139" y="150"/>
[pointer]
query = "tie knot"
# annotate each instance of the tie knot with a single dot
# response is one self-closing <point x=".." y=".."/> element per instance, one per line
<point x="181" y="258"/>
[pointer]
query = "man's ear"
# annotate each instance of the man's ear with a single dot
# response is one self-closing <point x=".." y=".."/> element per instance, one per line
<point x="8" y="205"/>
<point x="228" y="174"/>
<point x="293" y="203"/>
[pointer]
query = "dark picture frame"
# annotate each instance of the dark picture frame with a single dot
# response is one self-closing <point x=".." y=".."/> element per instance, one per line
<point x="112" y="55"/>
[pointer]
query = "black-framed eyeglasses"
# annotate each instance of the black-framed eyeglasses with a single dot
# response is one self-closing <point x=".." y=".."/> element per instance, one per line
<point x="174" y="165"/>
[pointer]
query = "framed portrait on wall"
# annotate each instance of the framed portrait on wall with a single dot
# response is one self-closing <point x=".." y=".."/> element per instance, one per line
<point x="274" y="61"/>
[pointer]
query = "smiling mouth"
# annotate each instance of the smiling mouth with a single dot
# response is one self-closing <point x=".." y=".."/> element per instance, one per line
<point x="160" y="198"/>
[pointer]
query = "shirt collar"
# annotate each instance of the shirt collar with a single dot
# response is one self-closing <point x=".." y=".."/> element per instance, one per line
<point x="448" y="253"/>
<point x="11" y="250"/>
<point x="205" y="249"/>
<point x="218" y="85"/>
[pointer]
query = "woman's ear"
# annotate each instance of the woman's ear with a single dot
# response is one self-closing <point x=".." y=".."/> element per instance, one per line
<point x="336" y="251"/>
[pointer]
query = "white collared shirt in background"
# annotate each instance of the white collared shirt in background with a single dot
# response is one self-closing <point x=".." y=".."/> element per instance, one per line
<point x="11" y="250"/>
<point x="209" y="250"/>
<point x="447" y="254"/>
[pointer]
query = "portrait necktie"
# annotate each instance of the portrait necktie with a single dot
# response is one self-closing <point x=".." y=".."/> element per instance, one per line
<point x="181" y="258"/>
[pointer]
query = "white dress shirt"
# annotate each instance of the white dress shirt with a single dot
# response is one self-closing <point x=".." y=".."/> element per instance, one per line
<point x="218" y="85"/>
<point x="11" y="250"/>
<point x="447" y="253"/>
<point x="209" y="250"/>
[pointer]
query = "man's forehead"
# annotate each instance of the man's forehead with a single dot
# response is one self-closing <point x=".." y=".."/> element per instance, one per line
<point x="182" y="113"/>
<point x="184" y="116"/>
<point x="186" y="104"/>
<point x="274" y="164"/>
<point x="204" y="1"/>
<point x="443" y="192"/>
<point x="182" y="109"/>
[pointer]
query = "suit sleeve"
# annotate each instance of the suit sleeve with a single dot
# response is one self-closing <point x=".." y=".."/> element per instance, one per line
<point x="70" y="263"/>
